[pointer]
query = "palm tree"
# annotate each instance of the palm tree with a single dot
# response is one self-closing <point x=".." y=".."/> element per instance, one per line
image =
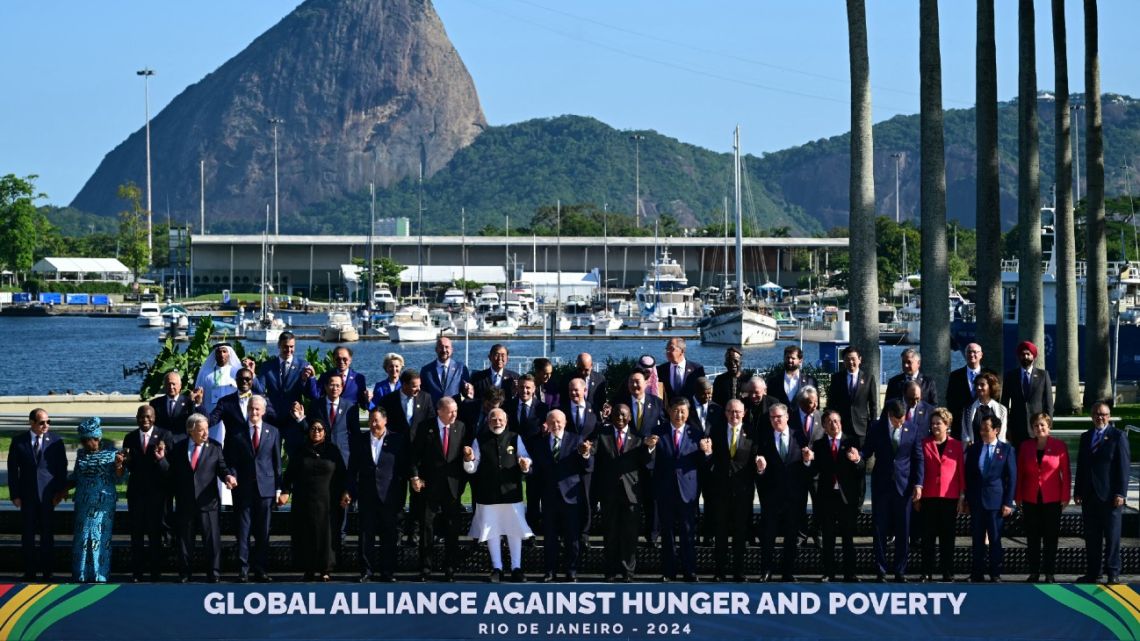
<point x="935" y="337"/>
<point x="1031" y="312"/>
<point x="1068" y="399"/>
<point x="988" y="214"/>
<point x="1097" y="372"/>
<point x="863" y="292"/>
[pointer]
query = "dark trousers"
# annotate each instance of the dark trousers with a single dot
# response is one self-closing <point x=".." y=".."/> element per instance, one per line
<point x="1102" y="535"/>
<point x="620" y="523"/>
<point x="192" y="520"/>
<point x="985" y="523"/>
<point x="938" y="521"/>
<point x="677" y="521"/>
<point x="377" y="521"/>
<point x="836" y="518"/>
<point x="534" y="505"/>
<point x="561" y="527"/>
<point x="253" y="520"/>
<point x="38" y="517"/>
<point x="890" y="514"/>
<point x="1042" y="523"/>
<point x="781" y="518"/>
<point x="410" y="521"/>
<point x="146" y="514"/>
<point x="447" y="510"/>
<point x="732" y="515"/>
<point x="587" y="506"/>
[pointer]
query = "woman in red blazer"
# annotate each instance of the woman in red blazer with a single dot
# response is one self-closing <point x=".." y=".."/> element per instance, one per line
<point x="943" y="488"/>
<point x="1043" y="489"/>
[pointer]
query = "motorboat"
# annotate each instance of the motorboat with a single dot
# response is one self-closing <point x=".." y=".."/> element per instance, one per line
<point x="442" y="321"/>
<point x="150" y="315"/>
<point x="666" y="290"/>
<point x="411" y="324"/>
<point x="497" y="324"/>
<point x="454" y="297"/>
<point x="383" y="299"/>
<point x="339" y="328"/>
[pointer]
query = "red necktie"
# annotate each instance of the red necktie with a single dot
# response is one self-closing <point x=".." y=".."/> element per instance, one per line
<point x="446" y="434"/>
<point x="677" y="439"/>
<point x="194" y="457"/>
<point x="256" y="438"/>
<point x="620" y="441"/>
<point x="332" y="414"/>
<point x="834" y="457"/>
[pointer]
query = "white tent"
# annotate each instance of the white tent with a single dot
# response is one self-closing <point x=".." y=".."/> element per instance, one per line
<point x="548" y="286"/>
<point x="443" y="274"/>
<point x="80" y="269"/>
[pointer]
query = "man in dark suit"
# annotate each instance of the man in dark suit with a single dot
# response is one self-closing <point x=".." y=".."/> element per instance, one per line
<point x="37" y="482"/>
<point x="172" y="408"/>
<point x="840" y="485"/>
<point x="854" y="393"/>
<point x="677" y="374"/>
<point x="1026" y="390"/>
<point x="404" y="410"/>
<point x="595" y="383"/>
<point x="805" y="420"/>
<point x="785" y="382"/>
<point x="232" y="410"/>
<point x="196" y="464"/>
<point x="581" y="418"/>
<point x="254" y="455"/>
<point x="678" y="452"/>
<point x="147" y="494"/>
<point x="1103" y="460"/>
<point x="526" y="412"/>
<point x="782" y="484"/>
<point x="621" y="471"/>
<point x="437" y="472"/>
<point x="756" y="406"/>
<point x="647" y="411"/>
<point x="918" y="411"/>
<point x="706" y="414"/>
<point x="444" y="376"/>
<point x="284" y="378"/>
<point x="354" y="384"/>
<point x="991" y="476"/>
<point x="732" y="481"/>
<point x="377" y="479"/>
<point x="497" y="375"/>
<point x="561" y="458"/>
<point x="896" y="481"/>
<point x="730" y="383"/>
<point x="911" y="371"/>
<point x="960" y="390"/>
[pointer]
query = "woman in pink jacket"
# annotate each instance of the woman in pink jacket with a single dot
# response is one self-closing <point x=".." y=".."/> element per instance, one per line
<point x="943" y="487"/>
<point x="1044" y="483"/>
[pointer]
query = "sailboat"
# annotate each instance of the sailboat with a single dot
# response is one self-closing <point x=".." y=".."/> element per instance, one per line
<point x="738" y="326"/>
<point x="265" y="328"/>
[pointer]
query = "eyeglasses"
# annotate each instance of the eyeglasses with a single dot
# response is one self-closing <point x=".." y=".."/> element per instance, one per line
<point x="245" y="378"/>
<point x="44" y="422"/>
<point x="343" y="359"/>
<point x="1102" y="414"/>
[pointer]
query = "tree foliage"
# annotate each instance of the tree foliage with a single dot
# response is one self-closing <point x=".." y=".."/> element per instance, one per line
<point x="20" y="223"/>
<point x="133" y="248"/>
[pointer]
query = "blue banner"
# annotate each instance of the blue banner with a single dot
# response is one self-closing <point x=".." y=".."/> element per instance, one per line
<point x="513" y="611"/>
<point x="21" y="297"/>
<point x="100" y="299"/>
<point x="51" y="299"/>
<point x="77" y="299"/>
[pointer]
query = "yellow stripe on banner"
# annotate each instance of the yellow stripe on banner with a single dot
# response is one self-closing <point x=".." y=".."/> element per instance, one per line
<point x="1127" y="597"/>
<point x="18" y="604"/>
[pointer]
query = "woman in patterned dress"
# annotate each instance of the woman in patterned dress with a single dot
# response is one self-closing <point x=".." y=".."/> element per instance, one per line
<point x="96" y="471"/>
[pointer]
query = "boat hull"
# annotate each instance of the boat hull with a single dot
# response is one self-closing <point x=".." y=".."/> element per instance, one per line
<point x="263" y="335"/>
<point x="412" y="333"/>
<point x="739" y="328"/>
<point x="340" y="335"/>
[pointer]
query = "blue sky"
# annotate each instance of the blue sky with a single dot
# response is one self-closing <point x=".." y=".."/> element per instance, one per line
<point x="687" y="69"/>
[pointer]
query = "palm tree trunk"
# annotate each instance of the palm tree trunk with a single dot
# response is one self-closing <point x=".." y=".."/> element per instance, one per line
<point x="1098" y="383"/>
<point x="1030" y="313"/>
<point x="1068" y="400"/>
<point x="935" y="337"/>
<point x="863" y="292"/>
<point x="987" y="217"/>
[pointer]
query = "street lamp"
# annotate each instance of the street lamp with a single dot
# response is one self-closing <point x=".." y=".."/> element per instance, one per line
<point x="146" y="73"/>
<point x="1077" y="150"/>
<point x="276" y="195"/>
<point x="637" y="138"/>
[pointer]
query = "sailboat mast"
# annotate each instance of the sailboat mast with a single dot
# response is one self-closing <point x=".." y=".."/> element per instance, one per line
<point x="739" y="219"/>
<point x="724" y="292"/>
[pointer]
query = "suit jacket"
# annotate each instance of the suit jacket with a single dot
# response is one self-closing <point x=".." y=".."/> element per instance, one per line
<point x="442" y="474"/>
<point x="228" y="412"/>
<point x="145" y="478"/>
<point x="383" y="482"/>
<point x="693" y="371"/>
<point x="796" y="425"/>
<point x="1023" y="406"/>
<point x="959" y="396"/>
<point x="898" y="470"/>
<point x="195" y="488"/>
<point x="855" y="407"/>
<point x="920" y="417"/>
<point x="654" y="410"/>
<point x="483" y="381"/>
<point x="991" y="488"/>
<point x="595" y="390"/>
<point x="439" y="383"/>
<point x="175" y="422"/>
<point x="757" y="417"/>
<point x="561" y="477"/>
<point x="282" y="392"/>
<point x="733" y="477"/>
<point x="944" y="476"/>
<point x="354" y="384"/>
<point x="714" y="418"/>
<point x="896" y="386"/>
<point x="1052" y="477"/>
<point x="1102" y="473"/>
<point x="675" y="468"/>
<point x="590" y="421"/>
<point x="776" y="390"/>
<point x="620" y="476"/>
<point x="34" y="478"/>
<point x="341" y="431"/>
<point x="532" y="424"/>
<point x="258" y="471"/>
<point x="786" y="479"/>
<point x="393" y="406"/>
<point x="852" y="477"/>
<point x="725" y="388"/>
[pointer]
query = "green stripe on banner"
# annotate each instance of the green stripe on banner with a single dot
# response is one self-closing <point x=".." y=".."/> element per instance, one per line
<point x="1105" y="597"/>
<point x="1087" y="606"/>
<point x="26" y="619"/>
<point x="68" y="607"/>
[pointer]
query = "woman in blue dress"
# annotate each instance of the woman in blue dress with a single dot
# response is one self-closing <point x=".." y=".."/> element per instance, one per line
<point x="96" y="471"/>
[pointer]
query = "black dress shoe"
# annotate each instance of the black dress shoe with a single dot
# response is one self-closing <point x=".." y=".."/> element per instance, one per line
<point x="739" y="578"/>
<point x="610" y="578"/>
<point x="880" y="578"/>
<point x="212" y="579"/>
<point x="496" y="576"/>
<point x="899" y="578"/>
<point x="136" y="578"/>
<point x="977" y="578"/>
<point x="788" y="578"/>
<point x="719" y="578"/>
<point x="1049" y="578"/>
<point x="243" y="578"/>
<point x="263" y="578"/>
<point x="548" y="577"/>
<point x="185" y="578"/>
<point x="926" y="578"/>
<point x="48" y="577"/>
<point x="571" y="578"/>
<point x="449" y="576"/>
<point x="364" y="578"/>
<point x="1112" y="579"/>
<point x="424" y="576"/>
<point x="625" y="578"/>
<point x="1033" y="578"/>
<point x="517" y="575"/>
<point x="668" y="579"/>
<point x="156" y="578"/>
<point x="1086" y="578"/>
<point x="28" y="577"/>
<point x="851" y="578"/>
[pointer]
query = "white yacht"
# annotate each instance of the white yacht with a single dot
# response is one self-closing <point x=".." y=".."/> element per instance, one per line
<point x="454" y="297"/>
<point x="339" y="328"/>
<point x="150" y="315"/>
<point x="666" y="291"/>
<point x="411" y="324"/>
<point x="383" y="298"/>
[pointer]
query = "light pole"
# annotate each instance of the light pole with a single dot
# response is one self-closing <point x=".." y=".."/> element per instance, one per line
<point x="146" y="73"/>
<point x="1077" y="151"/>
<point x="637" y="138"/>
<point x="274" y="121"/>
<point x="898" y="160"/>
